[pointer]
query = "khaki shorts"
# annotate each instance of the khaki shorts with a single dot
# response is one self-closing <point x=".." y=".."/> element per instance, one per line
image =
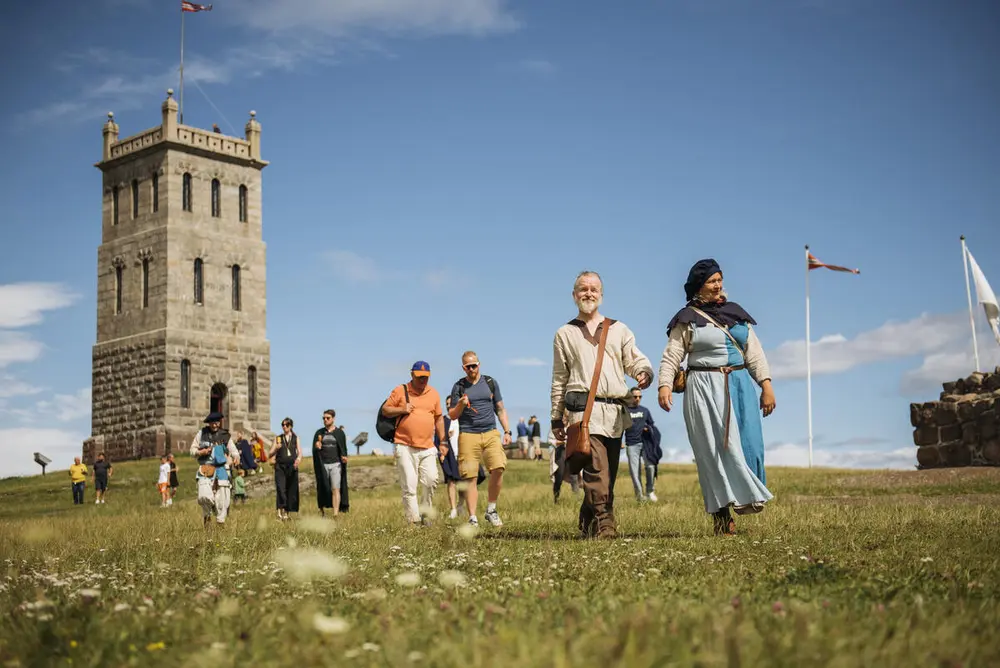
<point x="474" y="449"/>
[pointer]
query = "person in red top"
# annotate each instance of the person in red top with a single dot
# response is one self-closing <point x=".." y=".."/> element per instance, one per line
<point x="418" y="406"/>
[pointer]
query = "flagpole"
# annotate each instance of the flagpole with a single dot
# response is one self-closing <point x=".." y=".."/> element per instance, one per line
<point x="968" y="294"/>
<point x="809" y="406"/>
<point x="180" y="113"/>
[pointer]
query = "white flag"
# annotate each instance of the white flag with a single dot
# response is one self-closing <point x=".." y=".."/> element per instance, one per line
<point x="985" y="296"/>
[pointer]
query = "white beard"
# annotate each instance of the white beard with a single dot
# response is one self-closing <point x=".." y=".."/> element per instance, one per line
<point x="588" y="306"/>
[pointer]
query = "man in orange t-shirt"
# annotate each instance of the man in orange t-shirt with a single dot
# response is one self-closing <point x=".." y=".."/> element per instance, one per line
<point x="418" y="406"/>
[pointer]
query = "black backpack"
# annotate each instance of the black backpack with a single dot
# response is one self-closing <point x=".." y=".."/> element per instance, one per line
<point x="385" y="427"/>
<point x="464" y="382"/>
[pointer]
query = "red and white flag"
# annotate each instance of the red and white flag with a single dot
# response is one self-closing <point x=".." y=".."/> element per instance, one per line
<point x="816" y="264"/>
<point x="193" y="7"/>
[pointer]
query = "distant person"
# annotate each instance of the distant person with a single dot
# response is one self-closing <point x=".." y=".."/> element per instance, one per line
<point x="418" y="407"/>
<point x="78" y="478"/>
<point x="286" y="454"/>
<point x="174" y="482"/>
<point x="163" y="482"/>
<point x="329" y="454"/>
<point x="477" y="404"/>
<point x="576" y="351"/>
<point x="259" y="451"/>
<point x="642" y="420"/>
<point x="523" y="434"/>
<point x="535" y="444"/>
<point x="721" y="410"/>
<point x="215" y="451"/>
<point x="247" y="461"/>
<point x="102" y="473"/>
<point x="240" y="486"/>
<point x="449" y="462"/>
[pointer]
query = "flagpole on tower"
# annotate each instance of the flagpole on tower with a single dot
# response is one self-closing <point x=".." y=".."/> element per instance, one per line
<point x="809" y="404"/>
<point x="180" y="106"/>
<point x="968" y="294"/>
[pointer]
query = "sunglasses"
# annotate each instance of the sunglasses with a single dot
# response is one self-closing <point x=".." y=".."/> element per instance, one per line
<point x="471" y="366"/>
<point x="285" y="424"/>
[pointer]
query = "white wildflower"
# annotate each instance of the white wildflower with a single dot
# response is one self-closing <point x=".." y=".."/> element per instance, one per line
<point x="121" y="607"/>
<point x="452" y="579"/>
<point x="408" y="579"/>
<point x="329" y="625"/>
<point x="467" y="531"/>
<point x="371" y="647"/>
<point x="224" y="559"/>
<point x="316" y="525"/>
<point x="415" y="656"/>
<point x="309" y="564"/>
<point x="89" y="594"/>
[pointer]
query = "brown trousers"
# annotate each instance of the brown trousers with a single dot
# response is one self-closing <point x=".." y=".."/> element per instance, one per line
<point x="597" y="512"/>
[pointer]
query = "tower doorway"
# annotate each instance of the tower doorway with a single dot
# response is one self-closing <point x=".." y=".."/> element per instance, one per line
<point x="219" y="401"/>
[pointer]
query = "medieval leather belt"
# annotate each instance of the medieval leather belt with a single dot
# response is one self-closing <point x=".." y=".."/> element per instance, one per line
<point x="725" y="371"/>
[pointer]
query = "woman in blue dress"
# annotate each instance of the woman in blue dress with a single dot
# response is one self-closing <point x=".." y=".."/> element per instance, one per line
<point x="721" y="410"/>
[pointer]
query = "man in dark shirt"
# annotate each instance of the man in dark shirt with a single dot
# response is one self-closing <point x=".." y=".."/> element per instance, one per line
<point x="329" y="452"/>
<point x="641" y="420"/>
<point x="102" y="471"/>
<point x="535" y="446"/>
<point x="477" y="404"/>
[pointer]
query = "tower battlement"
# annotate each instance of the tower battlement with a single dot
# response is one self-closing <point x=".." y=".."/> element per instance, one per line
<point x="210" y="143"/>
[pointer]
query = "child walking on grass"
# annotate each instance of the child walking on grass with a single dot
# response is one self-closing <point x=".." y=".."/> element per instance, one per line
<point x="240" y="486"/>
<point x="163" y="484"/>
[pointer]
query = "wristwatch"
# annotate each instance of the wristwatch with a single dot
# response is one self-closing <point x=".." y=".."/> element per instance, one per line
<point x="507" y="432"/>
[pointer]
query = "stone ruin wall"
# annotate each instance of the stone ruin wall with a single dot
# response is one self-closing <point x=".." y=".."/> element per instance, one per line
<point x="962" y="428"/>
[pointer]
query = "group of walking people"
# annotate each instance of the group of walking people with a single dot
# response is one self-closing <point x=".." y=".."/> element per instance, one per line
<point x="592" y="407"/>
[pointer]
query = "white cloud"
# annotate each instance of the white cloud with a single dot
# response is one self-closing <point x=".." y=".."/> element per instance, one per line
<point x="13" y="387"/>
<point x="18" y="347"/>
<point x="943" y="340"/>
<point x="22" y="304"/>
<point x="65" y="407"/>
<point x="20" y="444"/>
<point x="354" y="267"/>
<point x="793" y="454"/>
<point x="394" y="17"/>
<point x="538" y="67"/>
<point x="525" y="361"/>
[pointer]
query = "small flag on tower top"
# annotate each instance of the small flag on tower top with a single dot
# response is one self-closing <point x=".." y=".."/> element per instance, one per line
<point x="193" y="7"/>
<point x="816" y="264"/>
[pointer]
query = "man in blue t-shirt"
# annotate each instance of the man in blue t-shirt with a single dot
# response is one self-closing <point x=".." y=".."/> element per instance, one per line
<point x="641" y="420"/>
<point x="477" y="404"/>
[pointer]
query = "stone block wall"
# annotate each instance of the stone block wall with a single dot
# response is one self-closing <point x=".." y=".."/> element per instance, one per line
<point x="962" y="428"/>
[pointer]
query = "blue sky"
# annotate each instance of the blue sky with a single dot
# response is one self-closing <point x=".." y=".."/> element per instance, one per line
<point x="440" y="171"/>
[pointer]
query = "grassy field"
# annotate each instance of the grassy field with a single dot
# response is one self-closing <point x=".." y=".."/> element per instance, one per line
<point x="843" y="568"/>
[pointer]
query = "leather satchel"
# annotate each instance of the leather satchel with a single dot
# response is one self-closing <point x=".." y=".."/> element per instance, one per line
<point x="578" y="454"/>
<point x="680" y="381"/>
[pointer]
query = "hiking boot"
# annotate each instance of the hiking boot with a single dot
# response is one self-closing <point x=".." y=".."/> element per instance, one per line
<point x="493" y="518"/>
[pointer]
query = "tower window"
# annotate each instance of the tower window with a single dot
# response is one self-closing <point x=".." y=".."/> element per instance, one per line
<point x="145" y="282"/>
<point x="185" y="384"/>
<point x="236" y="287"/>
<point x="216" y="199"/>
<point x="199" y="283"/>
<point x="252" y="389"/>
<point x="243" y="204"/>
<point x="156" y="192"/>
<point x="114" y="205"/>
<point x="135" y="199"/>
<point x="119" y="279"/>
<point x="186" y="192"/>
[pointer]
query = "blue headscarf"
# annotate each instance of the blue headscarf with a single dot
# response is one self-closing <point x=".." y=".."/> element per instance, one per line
<point x="725" y="313"/>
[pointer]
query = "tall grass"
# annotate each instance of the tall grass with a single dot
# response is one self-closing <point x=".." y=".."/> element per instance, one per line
<point x="841" y="569"/>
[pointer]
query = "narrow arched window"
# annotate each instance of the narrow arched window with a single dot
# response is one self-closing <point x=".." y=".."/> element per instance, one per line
<point x="243" y="204"/>
<point x="114" y="205"/>
<point x="135" y="199"/>
<point x="236" y="287"/>
<point x="252" y="389"/>
<point x="145" y="282"/>
<point x="119" y="280"/>
<point x="186" y="192"/>
<point x="185" y="384"/>
<point x="216" y="198"/>
<point x="155" y="194"/>
<point x="199" y="282"/>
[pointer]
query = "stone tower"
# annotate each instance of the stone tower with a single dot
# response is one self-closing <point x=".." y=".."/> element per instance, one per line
<point x="181" y="302"/>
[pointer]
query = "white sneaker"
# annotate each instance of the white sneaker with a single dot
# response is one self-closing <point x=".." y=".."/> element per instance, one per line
<point x="652" y="496"/>
<point x="98" y="501"/>
<point x="453" y="514"/>
<point x="473" y="521"/>
<point x="493" y="518"/>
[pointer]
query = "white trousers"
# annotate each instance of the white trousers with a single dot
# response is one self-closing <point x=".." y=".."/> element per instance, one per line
<point x="416" y="466"/>
<point x="213" y="501"/>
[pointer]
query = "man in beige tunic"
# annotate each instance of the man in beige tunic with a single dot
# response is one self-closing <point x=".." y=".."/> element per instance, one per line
<point x="573" y="360"/>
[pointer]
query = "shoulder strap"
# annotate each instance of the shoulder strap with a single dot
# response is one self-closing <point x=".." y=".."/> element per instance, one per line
<point x="406" y="393"/>
<point x="724" y="329"/>
<point x="493" y="390"/>
<point x="605" y="326"/>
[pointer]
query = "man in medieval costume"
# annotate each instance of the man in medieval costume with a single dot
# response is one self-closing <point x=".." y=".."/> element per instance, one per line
<point x="575" y="354"/>
<point x="216" y="453"/>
